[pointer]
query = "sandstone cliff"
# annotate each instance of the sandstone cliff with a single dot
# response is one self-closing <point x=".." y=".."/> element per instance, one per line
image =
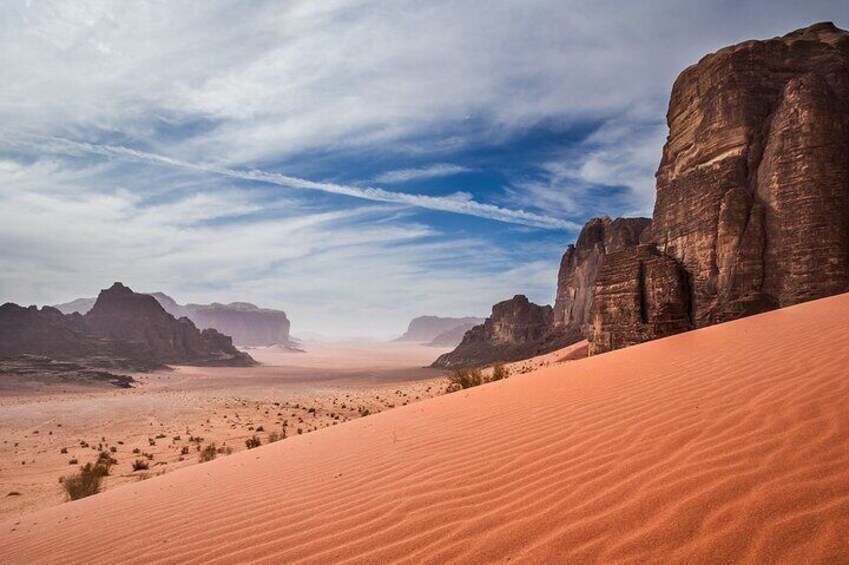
<point x="753" y="187"/>
<point x="517" y="329"/>
<point x="583" y="260"/>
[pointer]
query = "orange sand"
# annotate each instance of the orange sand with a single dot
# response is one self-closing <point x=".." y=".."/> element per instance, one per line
<point x="729" y="444"/>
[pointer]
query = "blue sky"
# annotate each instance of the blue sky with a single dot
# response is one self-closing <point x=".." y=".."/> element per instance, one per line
<point x="354" y="163"/>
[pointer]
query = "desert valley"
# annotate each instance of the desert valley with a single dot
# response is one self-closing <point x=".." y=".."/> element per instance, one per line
<point x="682" y="400"/>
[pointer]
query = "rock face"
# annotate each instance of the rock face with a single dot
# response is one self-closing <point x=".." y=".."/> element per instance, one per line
<point x="640" y="295"/>
<point x="753" y="187"/>
<point x="125" y="316"/>
<point x="123" y="330"/>
<point x="581" y="263"/>
<point x="517" y="329"/>
<point x="246" y="323"/>
<point x="427" y="328"/>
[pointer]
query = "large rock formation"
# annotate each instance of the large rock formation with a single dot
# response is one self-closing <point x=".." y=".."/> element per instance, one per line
<point x="517" y="329"/>
<point x="123" y="330"/>
<point x="425" y="329"/>
<point x="640" y="295"/>
<point x="246" y="323"/>
<point x="581" y="263"/>
<point x="753" y="188"/>
<point x="124" y="316"/>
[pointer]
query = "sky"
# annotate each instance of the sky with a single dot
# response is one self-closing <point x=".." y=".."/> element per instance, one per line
<point x="354" y="163"/>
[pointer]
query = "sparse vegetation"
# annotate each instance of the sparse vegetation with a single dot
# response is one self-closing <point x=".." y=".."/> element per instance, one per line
<point x="86" y="482"/>
<point x="253" y="442"/>
<point x="461" y="379"/>
<point x="140" y="465"/>
<point x="499" y="371"/>
<point x="208" y="453"/>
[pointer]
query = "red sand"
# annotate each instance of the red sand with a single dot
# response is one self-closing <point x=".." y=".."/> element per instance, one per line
<point x="729" y="444"/>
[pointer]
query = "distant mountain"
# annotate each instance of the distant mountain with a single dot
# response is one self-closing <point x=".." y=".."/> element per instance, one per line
<point x="123" y="330"/>
<point x="452" y="337"/>
<point x="425" y="329"/>
<point x="246" y="323"/>
<point x="80" y="305"/>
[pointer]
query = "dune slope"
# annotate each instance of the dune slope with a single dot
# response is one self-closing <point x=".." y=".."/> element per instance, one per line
<point x="727" y="444"/>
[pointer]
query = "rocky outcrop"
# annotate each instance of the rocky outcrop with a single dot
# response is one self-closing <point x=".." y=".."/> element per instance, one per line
<point x="123" y="330"/>
<point x="640" y="295"/>
<point x="425" y="329"/>
<point x="752" y="190"/>
<point x="125" y="316"/>
<point x="246" y="323"/>
<point x="581" y="264"/>
<point x="517" y="329"/>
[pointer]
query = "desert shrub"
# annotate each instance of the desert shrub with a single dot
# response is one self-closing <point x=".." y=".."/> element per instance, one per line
<point x="208" y="453"/>
<point x="106" y="459"/>
<point x="73" y="462"/>
<point x="461" y="379"/>
<point x="84" y="483"/>
<point x="63" y="450"/>
<point x="499" y="371"/>
<point x="140" y="465"/>
<point x="185" y="450"/>
<point x="225" y="450"/>
<point x="252" y="442"/>
<point x="136" y="450"/>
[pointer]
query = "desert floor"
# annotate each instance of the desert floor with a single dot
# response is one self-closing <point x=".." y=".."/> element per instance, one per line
<point x="723" y="445"/>
<point x="170" y="415"/>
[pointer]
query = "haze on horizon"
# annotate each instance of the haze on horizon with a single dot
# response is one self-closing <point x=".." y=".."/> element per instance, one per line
<point x="352" y="163"/>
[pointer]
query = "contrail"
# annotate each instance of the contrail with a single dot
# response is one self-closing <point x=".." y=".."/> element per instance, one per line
<point x="458" y="203"/>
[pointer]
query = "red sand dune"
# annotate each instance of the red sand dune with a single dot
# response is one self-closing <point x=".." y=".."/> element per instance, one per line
<point x="728" y="444"/>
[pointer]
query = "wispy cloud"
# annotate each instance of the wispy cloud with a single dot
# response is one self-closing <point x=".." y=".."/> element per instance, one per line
<point x="458" y="203"/>
<point x="436" y="170"/>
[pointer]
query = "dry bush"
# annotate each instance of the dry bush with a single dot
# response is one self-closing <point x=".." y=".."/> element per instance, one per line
<point x="208" y="453"/>
<point x="86" y="482"/>
<point x="461" y="379"/>
<point x="499" y="371"/>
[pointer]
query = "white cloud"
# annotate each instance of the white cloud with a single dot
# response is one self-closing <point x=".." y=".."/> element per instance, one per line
<point x="458" y="203"/>
<point x="436" y="170"/>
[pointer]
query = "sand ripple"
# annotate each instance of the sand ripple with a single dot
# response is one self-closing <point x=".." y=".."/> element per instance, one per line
<point x="729" y="444"/>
